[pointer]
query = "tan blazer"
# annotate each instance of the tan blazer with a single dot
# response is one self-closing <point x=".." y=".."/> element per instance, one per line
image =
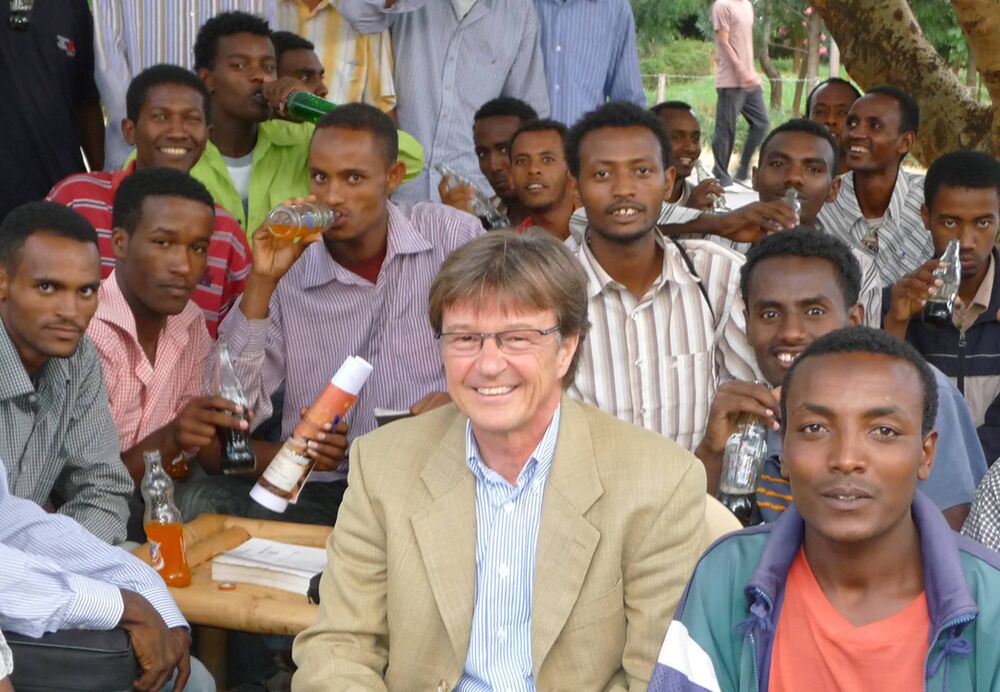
<point x="621" y="528"/>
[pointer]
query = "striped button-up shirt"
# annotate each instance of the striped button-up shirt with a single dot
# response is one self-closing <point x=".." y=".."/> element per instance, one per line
<point x="146" y="396"/>
<point x="590" y="55"/>
<point x="321" y="313"/>
<point x="54" y="575"/>
<point x="657" y="361"/>
<point x="131" y="35"/>
<point x="446" y="68"/>
<point x="56" y="433"/>
<point x="358" y="67"/>
<point x="903" y="241"/>
<point x="507" y="521"/>
<point x="6" y="660"/>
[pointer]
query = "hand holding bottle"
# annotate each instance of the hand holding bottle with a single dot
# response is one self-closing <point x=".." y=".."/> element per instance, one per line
<point x="328" y="447"/>
<point x="910" y="294"/>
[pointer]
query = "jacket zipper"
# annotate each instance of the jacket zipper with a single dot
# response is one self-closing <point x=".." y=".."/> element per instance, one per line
<point x="961" y="363"/>
<point x="753" y="641"/>
<point x="948" y="625"/>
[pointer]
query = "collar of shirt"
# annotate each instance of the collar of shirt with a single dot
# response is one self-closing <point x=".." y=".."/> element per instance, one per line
<point x="14" y="379"/>
<point x="966" y="317"/>
<point x="893" y="212"/>
<point x="113" y="309"/>
<point x="598" y="280"/>
<point x="319" y="268"/>
<point x="535" y="472"/>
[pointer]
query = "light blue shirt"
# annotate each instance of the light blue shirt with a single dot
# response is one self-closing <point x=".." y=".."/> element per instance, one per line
<point x="507" y="520"/>
<point x="55" y="575"/>
<point x="590" y="55"/>
<point x="447" y="68"/>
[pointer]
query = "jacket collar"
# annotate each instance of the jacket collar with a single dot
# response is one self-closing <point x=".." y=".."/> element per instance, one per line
<point x="992" y="312"/>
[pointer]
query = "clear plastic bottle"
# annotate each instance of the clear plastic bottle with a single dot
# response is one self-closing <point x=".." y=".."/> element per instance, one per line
<point x="940" y="307"/>
<point x="291" y="221"/>
<point x="719" y="205"/>
<point x="162" y="523"/>
<point x="308" y="107"/>
<point x="237" y="452"/>
<point x="742" y="462"/>
<point x="481" y="204"/>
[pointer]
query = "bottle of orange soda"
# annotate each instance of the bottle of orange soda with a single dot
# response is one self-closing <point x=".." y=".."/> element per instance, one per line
<point x="162" y="522"/>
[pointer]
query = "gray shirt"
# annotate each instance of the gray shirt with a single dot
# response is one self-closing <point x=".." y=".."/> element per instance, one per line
<point x="446" y="68"/>
<point x="56" y="433"/>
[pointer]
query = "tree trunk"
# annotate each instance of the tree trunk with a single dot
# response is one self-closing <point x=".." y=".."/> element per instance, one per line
<point x="799" y="83"/>
<point x="812" y="51"/>
<point x="892" y="49"/>
<point x="971" y="76"/>
<point x="773" y="75"/>
<point x="834" y="58"/>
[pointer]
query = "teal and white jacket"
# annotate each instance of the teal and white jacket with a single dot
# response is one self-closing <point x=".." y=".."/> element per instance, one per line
<point x="722" y="634"/>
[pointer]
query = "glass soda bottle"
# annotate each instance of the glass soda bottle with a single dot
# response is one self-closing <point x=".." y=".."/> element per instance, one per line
<point x="308" y="107"/>
<point x="291" y="221"/>
<point x="742" y="462"/>
<point x="162" y="523"/>
<point x="482" y="207"/>
<point x="940" y="307"/>
<point x="792" y="199"/>
<point x="719" y="205"/>
<point x="237" y="452"/>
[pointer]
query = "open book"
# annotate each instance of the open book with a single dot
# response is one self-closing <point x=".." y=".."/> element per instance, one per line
<point x="270" y="563"/>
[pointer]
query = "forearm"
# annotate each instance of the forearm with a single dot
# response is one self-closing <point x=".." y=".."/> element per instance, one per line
<point x="712" y="461"/>
<point x="895" y="327"/>
<point x="91" y="120"/>
<point x="163" y="440"/>
<point x="256" y="299"/>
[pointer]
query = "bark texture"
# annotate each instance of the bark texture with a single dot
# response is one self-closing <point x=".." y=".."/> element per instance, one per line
<point x="881" y="42"/>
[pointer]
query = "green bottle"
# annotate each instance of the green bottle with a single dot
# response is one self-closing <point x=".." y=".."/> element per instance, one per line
<point x="308" y="107"/>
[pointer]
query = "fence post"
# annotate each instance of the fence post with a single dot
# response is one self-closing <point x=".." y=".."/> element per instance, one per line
<point x="661" y="88"/>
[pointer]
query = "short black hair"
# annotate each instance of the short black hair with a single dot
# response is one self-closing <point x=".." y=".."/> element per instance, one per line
<point x="206" y="44"/>
<point x="540" y="125"/>
<point x="286" y="40"/>
<point x="361" y="116"/>
<point x="809" y="127"/>
<point x="154" y="182"/>
<point x="158" y="75"/>
<point x="616" y="114"/>
<point x="40" y="217"/>
<point x="506" y="105"/>
<point x="671" y="105"/>
<point x="869" y="340"/>
<point x="971" y="170"/>
<point x="806" y="241"/>
<point x="909" y="108"/>
<point x="825" y="82"/>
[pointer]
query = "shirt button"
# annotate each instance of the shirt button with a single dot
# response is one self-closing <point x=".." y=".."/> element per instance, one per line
<point x="502" y="634"/>
<point x="558" y="48"/>
<point x="509" y="507"/>
<point x="503" y="570"/>
<point x="638" y="361"/>
<point x="32" y="399"/>
<point x="642" y="410"/>
<point x="557" y="87"/>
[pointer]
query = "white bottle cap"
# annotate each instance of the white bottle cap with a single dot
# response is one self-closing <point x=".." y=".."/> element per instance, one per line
<point x="352" y="375"/>
<point x="265" y="497"/>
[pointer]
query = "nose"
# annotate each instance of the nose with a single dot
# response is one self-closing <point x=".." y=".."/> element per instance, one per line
<point x="321" y="90"/>
<point x="67" y="305"/>
<point x="793" y="176"/>
<point x="846" y="451"/>
<point x="180" y="262"/>
<point x="330" y="193"/>
<point x="498" y="161"/>
<point x="792" y="330"/>
<point x="491" y="361"/>
<point x="622" y="186"/>
<point x="968" y="236"/>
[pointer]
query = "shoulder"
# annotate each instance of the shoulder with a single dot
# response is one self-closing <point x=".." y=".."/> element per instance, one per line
<point x="711" y="252"/>
<point x="70" y="188"/>
<point x="400" y="449"/>
<point x="442" y="225"/>
<point x="285" y="133"/>
<point x="981" y="566"/>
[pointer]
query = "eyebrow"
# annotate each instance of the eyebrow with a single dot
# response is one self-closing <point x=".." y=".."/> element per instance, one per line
<point x="877" y="412"/>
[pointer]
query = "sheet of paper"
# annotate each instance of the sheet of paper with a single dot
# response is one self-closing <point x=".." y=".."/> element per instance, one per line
<point x="261" y="551"/>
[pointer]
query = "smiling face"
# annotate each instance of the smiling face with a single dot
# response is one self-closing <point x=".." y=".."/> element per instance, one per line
<point x="853" y="449"/>
<point x="171" y="131"/>
<point x="505" y="395"/>
<point x="685" y="138"/>
<point x="791" y="302"/>
<point x="48" y="296"/>
<point x="874" y="141"/>
<point x="622" y="181"/>
<point x="243" y="64"/>
<point x="538" y="166"/>
<point x="972" y="216"/>
<point x="802" y="161"/>
<point x="491" y="136"/>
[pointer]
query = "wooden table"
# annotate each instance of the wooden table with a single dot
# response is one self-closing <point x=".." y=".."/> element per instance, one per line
<point x="248" y="607"/>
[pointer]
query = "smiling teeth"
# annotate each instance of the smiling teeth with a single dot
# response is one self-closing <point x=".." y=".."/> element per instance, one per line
<point x="625" y="212"/>
<point x="535" y="186"/>
<point x="173" y="151"/>
<point x="847" y="497"/>
<point x="494" y="391"/>
<point x="684" y="161"/>
<point x="786" y="358"/>
<point x="858" y="148"/>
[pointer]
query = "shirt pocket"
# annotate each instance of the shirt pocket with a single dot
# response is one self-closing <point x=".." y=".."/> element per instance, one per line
<point x="592" y="610"/>
<point x="686" y="386"/>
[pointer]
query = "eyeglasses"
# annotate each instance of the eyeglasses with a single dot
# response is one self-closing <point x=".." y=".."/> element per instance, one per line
<point x="511" y="341"/>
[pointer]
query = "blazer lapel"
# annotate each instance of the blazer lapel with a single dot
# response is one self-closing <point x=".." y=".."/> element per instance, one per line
<point x="446" y="535"/>
<point x="566" y="540"/>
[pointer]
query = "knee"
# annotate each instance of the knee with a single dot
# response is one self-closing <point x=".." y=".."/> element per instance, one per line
<point x="200" y="681"/>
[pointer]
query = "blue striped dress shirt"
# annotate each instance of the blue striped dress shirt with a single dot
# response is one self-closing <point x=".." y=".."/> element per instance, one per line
<point x="56" y="575"/>
<point x="590" y="55"/>
<point x="507" y="521"/>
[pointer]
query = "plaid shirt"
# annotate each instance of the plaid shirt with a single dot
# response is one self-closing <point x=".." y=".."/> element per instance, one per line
<point x="56" y="433"/>
<point x="144" y="397"/>
<point x="983" y="522"/>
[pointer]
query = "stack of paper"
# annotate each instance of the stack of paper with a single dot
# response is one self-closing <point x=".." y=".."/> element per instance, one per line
<point x="270" y="563"/>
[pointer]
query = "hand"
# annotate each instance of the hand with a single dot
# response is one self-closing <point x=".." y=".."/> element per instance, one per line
<point x="431" y="401"/>
<point x="750" y="83"/>
<point x="5" y="685"/>
<point x="704" y="194"/>
<point x="910" y="294"/>
<point x="159" y="650"/>
<point x="732" y="400"/>
<point x="754" y="221"/>
<point x="329" y="447"/>
<point x="278" y="91"/>
<point x="459" y="197"/>
<point x="195" y="426"/>
<point x="272" y="256"/>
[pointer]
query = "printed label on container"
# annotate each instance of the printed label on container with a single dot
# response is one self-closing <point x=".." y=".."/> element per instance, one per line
<point x="286" y="469"/>
<point x="155" y="555"/>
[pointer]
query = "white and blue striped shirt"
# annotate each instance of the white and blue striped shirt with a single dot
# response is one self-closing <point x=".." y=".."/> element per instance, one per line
<point x="590" y="55"/>
<point x="56" y="575"/>
<point x="507" y="521"/>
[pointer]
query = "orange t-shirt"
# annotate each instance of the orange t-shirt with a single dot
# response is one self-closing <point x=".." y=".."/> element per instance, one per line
<point x="815" y="648"/>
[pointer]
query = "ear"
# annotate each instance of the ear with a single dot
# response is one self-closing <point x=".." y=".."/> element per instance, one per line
<point x="4" y="283"/>
<point x="119" y="242"/>
<point x="396" y="173"/>
<point x="856" y="315"/>
<point x="567" y="349"/>
<point x="906" y="142"/>
<point x="573" y="191"/>
<point x="206" y="76"/>
<point x="927" y="455"/>
<point x="925" y="214"/>
<point x="834" y="189"/>
<point x="128" y="131"/>
<point x="753" y="178"/>
<point x="669" y="176"/>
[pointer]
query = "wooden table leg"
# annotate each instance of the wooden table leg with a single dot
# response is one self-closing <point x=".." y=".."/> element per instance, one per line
<point x="211" y="650"/>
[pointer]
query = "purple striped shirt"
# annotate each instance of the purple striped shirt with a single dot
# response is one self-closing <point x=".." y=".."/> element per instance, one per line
<point x="321" y="313"/>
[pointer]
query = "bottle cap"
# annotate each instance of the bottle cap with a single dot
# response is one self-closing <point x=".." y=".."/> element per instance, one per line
<point x="352" y="375"/>
<point x="265" y="497"/>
